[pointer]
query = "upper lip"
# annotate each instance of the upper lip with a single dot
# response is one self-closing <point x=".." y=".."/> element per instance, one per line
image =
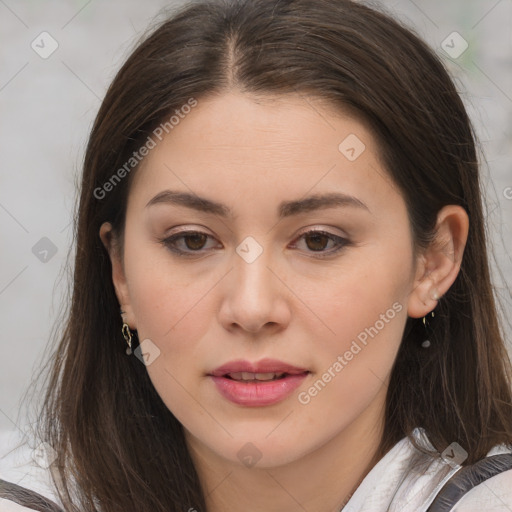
<point x="262" y="366"/>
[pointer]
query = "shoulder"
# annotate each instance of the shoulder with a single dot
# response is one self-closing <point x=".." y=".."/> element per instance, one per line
<point x="410" y="480"/>
<point x="494" y="494"/>
<point x="16" y="497"/>
<point x="485" y="485"/>
<point x="25" y="477"/>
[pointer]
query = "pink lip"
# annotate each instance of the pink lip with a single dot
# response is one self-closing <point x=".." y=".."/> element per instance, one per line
<point x="263" y="366"/>
<point x="254" y="394"/>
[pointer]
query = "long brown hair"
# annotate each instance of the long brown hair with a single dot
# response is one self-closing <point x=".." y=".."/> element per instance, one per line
<point x="119" y="447"/>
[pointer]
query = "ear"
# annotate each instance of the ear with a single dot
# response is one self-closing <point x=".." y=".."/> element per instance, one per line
<point x="118" y="274"/>
<point x="439" y="265"/>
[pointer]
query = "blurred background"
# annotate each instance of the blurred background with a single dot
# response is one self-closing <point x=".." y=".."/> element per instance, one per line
<point x="57" y="60"/>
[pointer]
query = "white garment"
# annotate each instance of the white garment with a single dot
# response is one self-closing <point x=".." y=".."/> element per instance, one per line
<point x="404" y="480"/>
<point x="19" y="465"/>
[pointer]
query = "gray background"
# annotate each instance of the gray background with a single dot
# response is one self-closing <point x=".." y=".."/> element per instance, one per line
<point x="47" y="107"/>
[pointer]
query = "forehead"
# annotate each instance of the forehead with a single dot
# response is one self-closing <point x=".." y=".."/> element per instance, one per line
<point x="279" y="144"/>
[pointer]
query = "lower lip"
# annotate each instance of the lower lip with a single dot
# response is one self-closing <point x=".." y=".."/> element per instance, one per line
<point x="258" y="393"/>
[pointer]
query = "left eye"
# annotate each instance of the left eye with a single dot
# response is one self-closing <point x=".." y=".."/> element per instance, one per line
<point x="187" y="243"/>
<point x="316" y="241"/>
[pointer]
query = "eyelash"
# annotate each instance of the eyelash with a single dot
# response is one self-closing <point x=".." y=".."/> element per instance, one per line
<point x="170" y="242"/>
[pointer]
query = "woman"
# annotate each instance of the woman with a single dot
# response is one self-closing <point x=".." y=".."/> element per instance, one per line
<point x="282" y="297"/>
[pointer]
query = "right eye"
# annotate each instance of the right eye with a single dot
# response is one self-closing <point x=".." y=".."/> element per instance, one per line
<point x="187" y="243"/>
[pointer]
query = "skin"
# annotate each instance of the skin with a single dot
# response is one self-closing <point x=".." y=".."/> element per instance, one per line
<point x="290" y="304"/>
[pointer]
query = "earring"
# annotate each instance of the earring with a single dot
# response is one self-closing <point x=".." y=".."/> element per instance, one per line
<point x="426" y="342"/>
<point x="434" y="295"/>
<point x="127" y="334"/>
<point x="128" y="337"/>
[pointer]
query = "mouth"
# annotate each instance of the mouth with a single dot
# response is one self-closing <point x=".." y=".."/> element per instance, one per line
<point x="257" y="384"/>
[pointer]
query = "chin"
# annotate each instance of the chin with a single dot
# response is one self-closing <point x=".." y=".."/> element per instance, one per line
<point x="258" y="449"/>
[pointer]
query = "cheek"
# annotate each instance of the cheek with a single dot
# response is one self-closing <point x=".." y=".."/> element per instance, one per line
<point x="174" y="313"/>
<point x="363" y="312"/>
<point x="165" y="295"/>
<point x="175" y="316"/>
<point x="362" y="299"/>
<point x="367" y="315"/>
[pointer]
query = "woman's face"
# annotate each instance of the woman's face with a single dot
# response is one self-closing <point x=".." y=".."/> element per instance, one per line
<point x="260" y="265"/>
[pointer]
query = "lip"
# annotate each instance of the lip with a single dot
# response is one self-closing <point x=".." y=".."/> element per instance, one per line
<point x="262" y="366"/>
<point x="257" y="393"/>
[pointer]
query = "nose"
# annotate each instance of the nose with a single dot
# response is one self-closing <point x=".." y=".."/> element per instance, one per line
<point x="255" y="297"/>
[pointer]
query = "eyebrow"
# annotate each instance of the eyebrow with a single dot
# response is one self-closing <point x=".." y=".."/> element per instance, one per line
<point x="286" y="208"/>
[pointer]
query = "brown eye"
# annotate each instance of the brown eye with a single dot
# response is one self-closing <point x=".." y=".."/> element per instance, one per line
<point x="316" y="241"/>
<point x="195" y="241"/>
<point x="188" y="243"/>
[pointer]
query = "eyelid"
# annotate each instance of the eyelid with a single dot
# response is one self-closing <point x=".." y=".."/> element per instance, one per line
<point x="190" y="228"/>
<point x="321" y="229"/>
